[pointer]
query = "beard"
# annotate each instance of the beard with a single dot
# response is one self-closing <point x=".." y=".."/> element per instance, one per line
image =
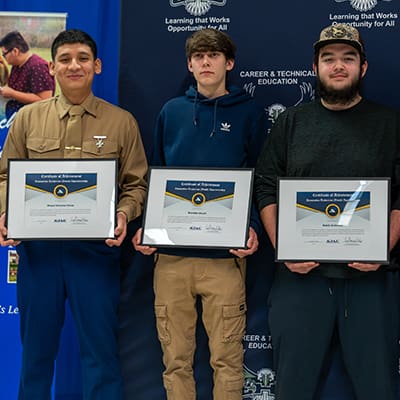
<point x="338" y="96"/>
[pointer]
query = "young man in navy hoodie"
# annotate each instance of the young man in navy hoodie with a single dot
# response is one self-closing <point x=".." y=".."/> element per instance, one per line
<point x="212" y="125"/>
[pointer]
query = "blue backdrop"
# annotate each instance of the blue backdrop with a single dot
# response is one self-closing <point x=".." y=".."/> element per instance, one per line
<point x="274" y="63"/>
<point x="142" y="49"/>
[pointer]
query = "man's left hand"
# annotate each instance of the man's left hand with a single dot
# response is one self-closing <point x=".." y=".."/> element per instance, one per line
<point x="364" y="267"/>
<point x="252" y="245"/>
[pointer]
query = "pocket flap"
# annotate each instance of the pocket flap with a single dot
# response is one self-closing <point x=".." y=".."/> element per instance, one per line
<point x="42" y="144"/>
<point x="107" y="147"/>
<point x="234" y="310"/>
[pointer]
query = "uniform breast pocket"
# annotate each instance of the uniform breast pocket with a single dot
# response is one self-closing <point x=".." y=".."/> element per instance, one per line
<point x="43" y="147"/>
<point x="100" y="148"/>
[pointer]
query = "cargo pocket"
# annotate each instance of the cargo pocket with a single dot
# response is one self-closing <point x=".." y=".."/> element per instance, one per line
<point x="234" y="389"/>
<point x="162" y="324"/>
<point x="234" y="322"/>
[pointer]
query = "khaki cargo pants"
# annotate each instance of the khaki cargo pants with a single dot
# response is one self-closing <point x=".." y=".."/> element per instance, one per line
<point x="221" y="285"/>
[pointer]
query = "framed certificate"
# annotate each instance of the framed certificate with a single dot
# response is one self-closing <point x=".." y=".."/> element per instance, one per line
<point x="61" y="199"/>
<point x="333" y="220"/>
<point x="190" y="207"/>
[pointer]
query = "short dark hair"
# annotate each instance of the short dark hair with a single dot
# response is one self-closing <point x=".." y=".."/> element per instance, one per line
<point x="210" y="40"/>
<point x="13" y="40"/>
<point x="72" y="36"/>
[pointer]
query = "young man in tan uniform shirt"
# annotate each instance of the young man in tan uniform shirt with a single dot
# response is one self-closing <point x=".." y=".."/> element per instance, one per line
<point x="85" y="272"/>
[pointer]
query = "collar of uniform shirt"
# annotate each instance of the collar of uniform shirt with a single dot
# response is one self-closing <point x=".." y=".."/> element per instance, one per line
<point x="63" y="105"/>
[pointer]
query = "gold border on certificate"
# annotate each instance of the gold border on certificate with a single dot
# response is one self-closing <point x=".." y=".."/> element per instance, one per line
<point x="61" y="199"/>
<point x="192" y="207"/>
<point x="337" y="220"/>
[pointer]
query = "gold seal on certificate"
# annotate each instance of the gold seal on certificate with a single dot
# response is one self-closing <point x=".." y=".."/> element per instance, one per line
<point x="61" y="199"/>
<point x="191" y="207"/>
<point x="333" y="220"/>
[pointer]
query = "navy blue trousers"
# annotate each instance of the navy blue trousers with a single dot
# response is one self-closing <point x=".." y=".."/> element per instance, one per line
<point x="87" y="274"/>
<point x="306" y="311"/>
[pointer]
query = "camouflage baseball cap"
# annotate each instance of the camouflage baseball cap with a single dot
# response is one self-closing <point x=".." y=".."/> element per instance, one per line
<point x="340" y="33"/>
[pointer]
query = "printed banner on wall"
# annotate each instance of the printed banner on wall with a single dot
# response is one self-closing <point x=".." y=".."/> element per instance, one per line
<point x="39" y="30"/>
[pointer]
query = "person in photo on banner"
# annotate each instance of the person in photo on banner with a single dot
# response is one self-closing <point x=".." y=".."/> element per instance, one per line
<point x="312" y="304"/>
<point x="30" y="79"/>
<point x="84" y="272"/>
<point x="212" y="125"/>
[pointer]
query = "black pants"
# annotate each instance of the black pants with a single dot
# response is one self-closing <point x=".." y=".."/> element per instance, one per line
<point x="305" y="311"/>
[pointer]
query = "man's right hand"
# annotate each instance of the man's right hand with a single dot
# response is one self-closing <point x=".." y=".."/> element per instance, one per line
<point x="146" y="250"/>
<point x="3" y="234"/>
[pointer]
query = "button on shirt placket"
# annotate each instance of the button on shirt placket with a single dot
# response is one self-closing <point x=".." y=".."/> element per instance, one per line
<point x="73" y="132"/>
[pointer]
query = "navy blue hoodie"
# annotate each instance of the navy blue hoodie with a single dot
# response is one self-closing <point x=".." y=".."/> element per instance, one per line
<point x="195" y="131"/>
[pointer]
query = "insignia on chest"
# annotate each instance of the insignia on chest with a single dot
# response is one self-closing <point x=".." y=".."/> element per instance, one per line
<point x="99" y="142"/>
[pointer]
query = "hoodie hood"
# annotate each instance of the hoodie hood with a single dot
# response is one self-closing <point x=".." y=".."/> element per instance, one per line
<point x="235" y="96"/>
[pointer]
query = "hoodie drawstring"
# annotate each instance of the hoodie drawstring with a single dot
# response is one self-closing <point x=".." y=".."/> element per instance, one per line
<point x="195" y="109"/>
<point x="195" y="119"/>
<point x="215" y="119"/>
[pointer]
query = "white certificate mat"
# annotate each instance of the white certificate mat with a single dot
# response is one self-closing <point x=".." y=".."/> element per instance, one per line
<point x="188" y="207"/>
<point x="61" y="199"/>
<point x="333" y="220"/>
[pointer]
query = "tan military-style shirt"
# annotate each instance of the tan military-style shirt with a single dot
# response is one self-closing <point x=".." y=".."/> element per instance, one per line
<point x="38" y="131"/>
